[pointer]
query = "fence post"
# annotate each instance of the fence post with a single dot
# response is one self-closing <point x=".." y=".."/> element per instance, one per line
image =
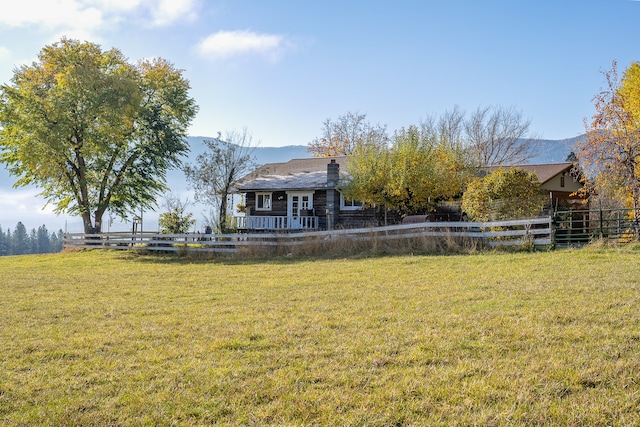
<point x="601" y="220"/>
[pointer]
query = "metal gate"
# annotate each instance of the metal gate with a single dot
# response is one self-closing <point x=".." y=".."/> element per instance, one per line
<point x="579" y="227"/>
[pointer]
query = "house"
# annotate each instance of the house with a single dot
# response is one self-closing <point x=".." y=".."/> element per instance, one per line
<point x="301" y="194"/>
<point x="560" y="181"/>
<point x="304" y="194"/>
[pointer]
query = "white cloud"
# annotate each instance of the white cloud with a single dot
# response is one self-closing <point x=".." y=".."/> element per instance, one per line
<point x="26" y="206"/>
<point x="87" y="16"/>
<point x="166" y="12"/>
<point x="20" y="203"/>
<point x="118" y="6"/>
<point x="4" y="52"/>
<point x="51" y="14"/>
<point x="227" y="44"/>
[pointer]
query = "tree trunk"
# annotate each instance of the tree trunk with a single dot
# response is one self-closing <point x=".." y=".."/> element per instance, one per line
<point x="88" y="225"/>
<point x="94" y="227"/>
<point x="98" y="225"/>
<point x="97" y="220"/>
<point x="222" y="217"/>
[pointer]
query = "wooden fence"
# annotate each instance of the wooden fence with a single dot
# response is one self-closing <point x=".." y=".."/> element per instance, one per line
<point x="537" y="232"/>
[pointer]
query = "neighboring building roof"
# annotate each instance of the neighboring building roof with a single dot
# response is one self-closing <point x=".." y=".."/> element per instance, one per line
<point x="296" y="174"/>
<point x="544" y="172"/>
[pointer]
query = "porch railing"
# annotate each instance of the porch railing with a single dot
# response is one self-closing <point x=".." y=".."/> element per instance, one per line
<point x="277" y="223"/>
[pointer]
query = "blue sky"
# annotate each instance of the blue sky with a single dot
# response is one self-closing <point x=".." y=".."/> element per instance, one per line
<point x="280" y="68"/>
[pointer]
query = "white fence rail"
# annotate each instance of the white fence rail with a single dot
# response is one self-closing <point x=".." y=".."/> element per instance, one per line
<point x="537" y="231"/>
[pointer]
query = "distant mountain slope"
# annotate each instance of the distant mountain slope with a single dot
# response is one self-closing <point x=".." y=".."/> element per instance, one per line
<point x="177" y="181"/>
<point x="549" y="151"/>
<point x="262" y="154"/>
<point x="554" y="150"/>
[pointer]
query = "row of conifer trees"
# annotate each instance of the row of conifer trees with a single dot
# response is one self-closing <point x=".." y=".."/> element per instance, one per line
<point x="21" y="242"/>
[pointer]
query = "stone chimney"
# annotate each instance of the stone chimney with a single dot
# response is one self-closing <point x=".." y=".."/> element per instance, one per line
<point x="333" y="174"/>
<point x="333" y="198"/>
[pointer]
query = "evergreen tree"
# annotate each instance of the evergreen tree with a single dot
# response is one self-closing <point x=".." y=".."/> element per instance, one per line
<point x="33" y="242"/>
<point x="38" y="241"/>
<point x="3" y="243"/>
<point x="56" y="241"/>
<point x="43" y="239"/>
<point x="20" y="240"/>
<point x="9" y="240"/>
<point x="55" y="244"/>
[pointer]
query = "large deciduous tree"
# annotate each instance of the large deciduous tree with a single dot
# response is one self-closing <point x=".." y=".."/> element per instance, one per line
<point x="93" y="131"/>
<point x="343" y="136"/>
<point x="411" y="176"/>
<point x="610" y="151"/>
<point x="219" y="167"/>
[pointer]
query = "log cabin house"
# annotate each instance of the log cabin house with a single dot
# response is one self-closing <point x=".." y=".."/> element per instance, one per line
<point x="304" y="194"/>
<point x="301" y="194"/>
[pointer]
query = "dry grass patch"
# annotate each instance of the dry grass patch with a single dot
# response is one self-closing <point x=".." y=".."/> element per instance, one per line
<point x="105" y="338"/>
<point x="374" y="244"/>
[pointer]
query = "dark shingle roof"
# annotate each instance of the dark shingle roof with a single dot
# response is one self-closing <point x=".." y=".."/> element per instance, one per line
<point x="296" y="174"/>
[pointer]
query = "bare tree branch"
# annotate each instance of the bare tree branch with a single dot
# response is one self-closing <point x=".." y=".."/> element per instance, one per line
<point x="344" y="135"/>
<point x="498" y="136"/>
<point x="218" y="168"/>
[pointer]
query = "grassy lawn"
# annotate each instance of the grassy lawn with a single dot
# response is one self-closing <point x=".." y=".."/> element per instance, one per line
<point x="107" y="338"/>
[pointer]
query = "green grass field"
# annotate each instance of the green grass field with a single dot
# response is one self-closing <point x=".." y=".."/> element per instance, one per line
<point x="108" y="338"/>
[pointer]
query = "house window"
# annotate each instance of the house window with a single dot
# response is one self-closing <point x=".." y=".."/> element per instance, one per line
<point x="347" y="204"/>
<point x="562" y="181"/>
<point x="263" y="201"/>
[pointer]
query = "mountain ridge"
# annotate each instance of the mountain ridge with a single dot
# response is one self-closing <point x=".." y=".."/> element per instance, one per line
<point x="550" y="151"/>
